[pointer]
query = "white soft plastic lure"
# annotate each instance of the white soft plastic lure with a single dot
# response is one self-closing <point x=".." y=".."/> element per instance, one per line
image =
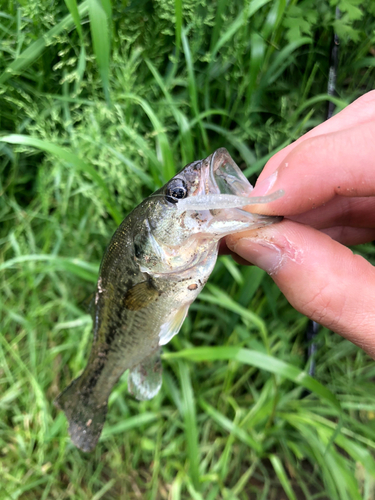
<point x="156" y="264"/>
<point x="223" y="201"/>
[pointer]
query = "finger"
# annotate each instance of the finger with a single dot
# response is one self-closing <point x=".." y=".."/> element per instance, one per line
<point x="340" y="211"/>
<point x="224" y="250"/>
<point x="350" y="235"/>
<point x="340" y="163"/>
<point x="320" y="278"/>
<point x="360" y="111"/>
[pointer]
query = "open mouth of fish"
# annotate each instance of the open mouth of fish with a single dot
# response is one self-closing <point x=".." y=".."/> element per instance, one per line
<point x="225" y="187"/>
<point x="227" y="176"/>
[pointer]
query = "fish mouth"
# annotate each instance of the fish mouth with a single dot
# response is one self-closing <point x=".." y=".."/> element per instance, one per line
<point x="225" y="175"/>
<point x="226" y="178"/>
<point x="224" y="192"/>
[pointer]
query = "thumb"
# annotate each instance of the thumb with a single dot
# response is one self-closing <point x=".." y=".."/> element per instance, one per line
<point x="320" y="277"/>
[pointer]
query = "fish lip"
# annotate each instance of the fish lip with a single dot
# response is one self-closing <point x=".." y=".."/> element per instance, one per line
<point x="225" y="176"/>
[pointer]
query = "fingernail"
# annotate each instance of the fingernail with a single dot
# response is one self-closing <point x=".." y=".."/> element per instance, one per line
<point x="265" y="185"/>
<point x="262" y="253"/>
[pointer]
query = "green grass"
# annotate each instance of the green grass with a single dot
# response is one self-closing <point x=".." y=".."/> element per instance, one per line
<point x="100" y="103"/>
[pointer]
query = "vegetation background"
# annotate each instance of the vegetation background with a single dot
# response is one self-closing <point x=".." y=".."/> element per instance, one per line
<point x="101" y="103"/>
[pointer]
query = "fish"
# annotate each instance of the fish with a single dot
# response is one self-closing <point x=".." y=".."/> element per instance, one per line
<point x="156" y="264"/>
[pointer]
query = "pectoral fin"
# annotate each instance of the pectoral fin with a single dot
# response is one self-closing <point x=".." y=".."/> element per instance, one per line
<point x="173" y="324"/>
<point x="140" y="296"/>
<point x="145" y="379"/>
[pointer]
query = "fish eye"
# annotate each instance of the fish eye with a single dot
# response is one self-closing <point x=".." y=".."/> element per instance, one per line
<point x="176" y="190"/>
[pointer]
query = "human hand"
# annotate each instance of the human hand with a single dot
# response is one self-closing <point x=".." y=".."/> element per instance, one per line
<point x="328" y="177"/>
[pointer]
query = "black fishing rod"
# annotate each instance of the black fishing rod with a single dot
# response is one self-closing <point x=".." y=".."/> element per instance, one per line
<point x="313" y="327"/>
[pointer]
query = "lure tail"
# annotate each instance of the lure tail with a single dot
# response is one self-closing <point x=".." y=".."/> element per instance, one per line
<point x="86" y="418"/>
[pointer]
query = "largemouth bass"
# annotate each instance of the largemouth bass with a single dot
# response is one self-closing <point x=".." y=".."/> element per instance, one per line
<point x="156" y="264"/>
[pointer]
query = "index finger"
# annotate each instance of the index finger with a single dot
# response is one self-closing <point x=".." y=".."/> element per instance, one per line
<point x="360" y="111"/>
<point x="321" y="167"/>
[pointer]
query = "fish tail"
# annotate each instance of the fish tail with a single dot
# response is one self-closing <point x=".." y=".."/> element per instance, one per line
<point x="86" y="418"/>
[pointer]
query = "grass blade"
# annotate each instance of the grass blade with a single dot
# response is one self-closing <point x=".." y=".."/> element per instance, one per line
<point x="279" y="63"/>
<point x="261" y="361"/>
<point x="70" y="159"/>
<point x="217" y="29"/>
<point x="257" y="59"/>
<point x="193" y="91"/>
<point x="184" y="126"/>
<point x="99" y="12"/>
<point x="168" y="167"/>
<point x="178" y="14"/>
<point x="246" y="154"/>
<point x="191" y="430"/>
<point x="128" y="424"/>
<point x="73" y="9"/>
<point x="230" y="427"/>
<point x="78" y="267"/>
<point x="240" y="20"/>
<point x="81" y="66"/>
<point x="281" y="474"/>
<point x="222" y="299"/>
